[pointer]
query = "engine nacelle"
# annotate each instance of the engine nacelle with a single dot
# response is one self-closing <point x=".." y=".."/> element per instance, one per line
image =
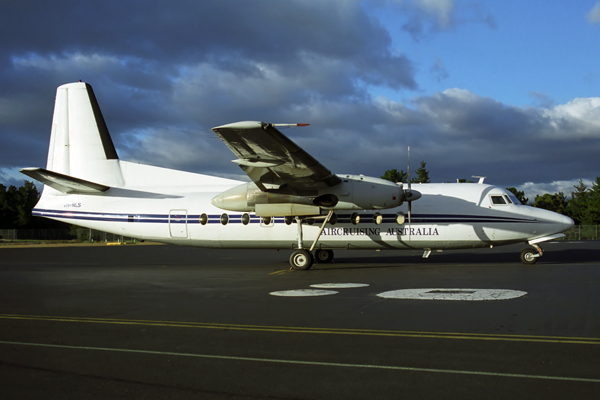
<point x="353" y="193"/>
<point x="358" y="192"/>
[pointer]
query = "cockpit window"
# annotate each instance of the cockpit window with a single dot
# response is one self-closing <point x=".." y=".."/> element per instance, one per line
<point x="514" y="199"/>
<point x="508" y="201"/>
<point x="498" y="200"/>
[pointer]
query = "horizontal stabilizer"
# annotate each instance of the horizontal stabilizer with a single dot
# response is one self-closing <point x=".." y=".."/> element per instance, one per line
<point x="64" y="183"/>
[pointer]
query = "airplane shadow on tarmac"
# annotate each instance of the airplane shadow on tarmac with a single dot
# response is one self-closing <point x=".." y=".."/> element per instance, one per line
<point x="564" y="256"/>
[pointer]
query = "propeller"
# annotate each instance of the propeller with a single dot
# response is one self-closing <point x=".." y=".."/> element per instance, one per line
<point x="409" y="192"/>
<point x="409" y="195"/>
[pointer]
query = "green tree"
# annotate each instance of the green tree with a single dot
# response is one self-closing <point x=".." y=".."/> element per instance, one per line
<point x="16" y="205"/>
<point x="593" y="210"/>
<point x="394" y="175"/>
<point x="4" y="213"/>
<point x="520" y="195"/>
<point x="8" y="206"/>
<point x="579" y="202"/>
<point x="25" y="199"/>
<point x="554" y="202"/>
<point x="422" y="174"/>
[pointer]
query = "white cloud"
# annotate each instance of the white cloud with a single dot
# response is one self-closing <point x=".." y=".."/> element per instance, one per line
<point x="440" y="10"/>
<point x="95" y="62"/>
<point x="12" y="176"/>
<point x="579" y="118"/>
<point x="594" y="15"/>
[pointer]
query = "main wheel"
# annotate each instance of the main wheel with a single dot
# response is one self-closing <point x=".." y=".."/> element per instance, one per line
<point x="528" y="256"/>
<point x="301" y="260"/>
<point x="323" y="256"/>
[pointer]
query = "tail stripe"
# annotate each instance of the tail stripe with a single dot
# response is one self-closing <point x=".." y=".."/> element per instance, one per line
<point x="107" y="143"/>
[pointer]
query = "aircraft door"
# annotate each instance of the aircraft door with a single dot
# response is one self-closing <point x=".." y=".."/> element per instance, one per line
<point x="178" y="223"/>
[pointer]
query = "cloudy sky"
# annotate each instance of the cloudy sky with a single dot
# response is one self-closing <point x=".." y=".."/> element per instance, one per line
<point x="507" y="89"/>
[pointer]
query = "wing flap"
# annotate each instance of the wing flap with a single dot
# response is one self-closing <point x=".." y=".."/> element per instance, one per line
<point x="64" y="183"/>
<point x="270" y="158"/>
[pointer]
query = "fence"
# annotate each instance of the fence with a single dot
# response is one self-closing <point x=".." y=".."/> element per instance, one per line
<point x="82" y="234"/>
<point x="582" y="232"/>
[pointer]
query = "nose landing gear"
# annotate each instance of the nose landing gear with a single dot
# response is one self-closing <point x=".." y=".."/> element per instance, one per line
<point x="530" y="256"/>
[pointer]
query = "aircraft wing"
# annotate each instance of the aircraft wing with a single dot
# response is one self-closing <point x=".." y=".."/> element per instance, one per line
<point x="273" y="161"/>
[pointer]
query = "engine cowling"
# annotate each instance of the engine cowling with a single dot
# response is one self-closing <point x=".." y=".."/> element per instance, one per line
<point x="353" y="193"/>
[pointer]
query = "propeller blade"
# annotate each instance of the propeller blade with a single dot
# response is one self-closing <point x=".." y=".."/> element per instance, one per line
<point x="408" y="168"/>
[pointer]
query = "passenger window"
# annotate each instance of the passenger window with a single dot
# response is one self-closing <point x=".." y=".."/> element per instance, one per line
<point x="224" y="219"/>
<point x="245" y="219"/>
<point x="400" y="219"/>
<point x="377" y="218"/>
<point x="203" y="219"/>
<point x="355" y="218"/>
<point x="498" y="200"/>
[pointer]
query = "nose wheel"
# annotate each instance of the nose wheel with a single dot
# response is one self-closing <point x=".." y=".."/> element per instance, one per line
<point x="530" y="256"/>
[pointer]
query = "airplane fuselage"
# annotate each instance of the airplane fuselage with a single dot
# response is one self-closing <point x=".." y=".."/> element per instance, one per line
<point x="293" y="202"/>
<point x="448" y="216"/>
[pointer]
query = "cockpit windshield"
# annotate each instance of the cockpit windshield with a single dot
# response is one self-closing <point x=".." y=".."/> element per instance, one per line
<point x="506" y="199"/>
<point x="514" y="199"/>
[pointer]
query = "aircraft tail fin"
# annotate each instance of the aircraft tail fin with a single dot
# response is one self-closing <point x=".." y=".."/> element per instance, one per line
<point x="81" y="149"/>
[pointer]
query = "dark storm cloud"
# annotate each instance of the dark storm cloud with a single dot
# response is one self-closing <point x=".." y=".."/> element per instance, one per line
<point x="165" y="74"/>
<point x="145" y="57"/>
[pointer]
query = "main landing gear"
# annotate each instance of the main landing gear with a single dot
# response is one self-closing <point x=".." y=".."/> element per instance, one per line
<point x="302" y="259"/>
<point x="530" y="256"/>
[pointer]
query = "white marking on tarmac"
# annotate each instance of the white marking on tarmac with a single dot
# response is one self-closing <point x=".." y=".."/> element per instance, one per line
<point x="453" y="294"/>
<point x="315" y="363"/>
<point x="303" y="293"/>
<point x="339" y="285"/>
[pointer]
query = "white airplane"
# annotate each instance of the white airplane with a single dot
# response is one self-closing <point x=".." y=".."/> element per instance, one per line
<point x="293" y="201"/>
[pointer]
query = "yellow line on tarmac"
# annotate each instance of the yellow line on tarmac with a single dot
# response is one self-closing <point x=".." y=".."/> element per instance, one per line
<point x="313" y="330"/>
<point x="280" y="272"/>
<point x="304" y="362"/>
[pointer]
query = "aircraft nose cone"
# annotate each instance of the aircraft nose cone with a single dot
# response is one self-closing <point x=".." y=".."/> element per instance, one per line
<point x="565" y="222"/>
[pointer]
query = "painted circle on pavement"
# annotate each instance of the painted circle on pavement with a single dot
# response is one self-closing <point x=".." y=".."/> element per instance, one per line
<point x="338" y="285"/>
<point x="453" y="294"/>
<point x="303" y="293"/>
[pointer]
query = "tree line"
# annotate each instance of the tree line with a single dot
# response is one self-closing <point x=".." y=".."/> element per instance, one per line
<point x="583" y="206"/>
<point x="16" y="205"/>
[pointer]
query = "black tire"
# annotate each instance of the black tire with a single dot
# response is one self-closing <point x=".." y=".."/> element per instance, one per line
<point x="323" y="256"/>
<point x="301" y="260"/>
<point x="528" y="256"/>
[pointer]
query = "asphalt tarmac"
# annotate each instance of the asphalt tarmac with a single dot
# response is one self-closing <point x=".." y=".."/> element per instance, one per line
<point x="158" y="322"/>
